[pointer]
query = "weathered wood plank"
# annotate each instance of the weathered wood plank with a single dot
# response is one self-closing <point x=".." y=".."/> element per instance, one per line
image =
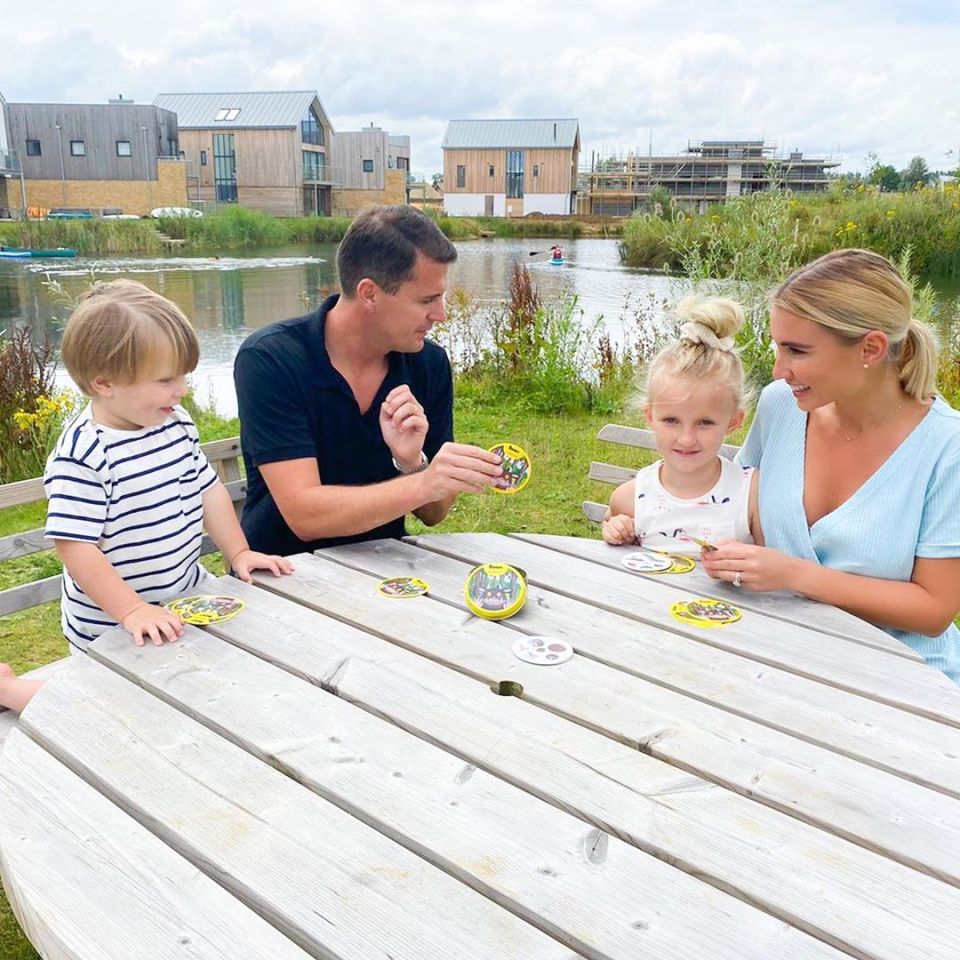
<point x="794" y="647"/>
<point x="8" y="719"/>
<point x="85" y="880"/>
<point x="29" y="595"/>
<point x="609" y="473"/>
<point x="780" y="604"/>
<point x="595" y="893"/>
<point x="806" y="781"/>
<point x="843" y="721"/>
<point x="23" y="544"/>
<point x="327" y="881"/>
<point x="644" y="439"/>
<point x="790" y="869"/>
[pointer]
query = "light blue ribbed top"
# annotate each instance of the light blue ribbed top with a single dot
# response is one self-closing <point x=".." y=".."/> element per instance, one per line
<point x="909" y="508"/>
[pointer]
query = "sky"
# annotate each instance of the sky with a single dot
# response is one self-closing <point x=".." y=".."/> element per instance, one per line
<point x="843" y="78"/>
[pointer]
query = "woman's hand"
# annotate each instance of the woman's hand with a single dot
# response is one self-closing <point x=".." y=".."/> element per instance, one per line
<point x="618" y="530"/>
<point x="760" y="568"/>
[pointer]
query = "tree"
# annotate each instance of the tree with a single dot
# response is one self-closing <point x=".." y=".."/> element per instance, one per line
<point x="437" y="180"/>
<point x="917" y="174"/>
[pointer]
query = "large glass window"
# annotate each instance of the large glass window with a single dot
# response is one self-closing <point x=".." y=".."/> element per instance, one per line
<point x="314" y="165"/>
<point x="515" y="173"/>
<point x="311" y="129"/>
<point x="461" y="175"/>
<point x="224" y="168"/>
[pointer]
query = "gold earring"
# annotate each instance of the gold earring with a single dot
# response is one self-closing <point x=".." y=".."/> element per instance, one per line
<point x="866" y="366"/>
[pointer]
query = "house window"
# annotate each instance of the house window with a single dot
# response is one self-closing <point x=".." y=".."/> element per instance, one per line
<point x="461" y="175"/>
<point x="77" y="148"/>
<point x="403" y="163"/>
<point x="367" y="166"/>
<point x="536" y="169"/>
<point x="123" y="148"/>
<point x="227" y="113"/>
<point x="203" y="158"/>
<point x="515" y="174"/>
<point x="224" y="168"/>
<point x="314" y="165"/>
<point x="33" y="148"/>
<point x="490" y="169"/>
<point x="311" y="129"/>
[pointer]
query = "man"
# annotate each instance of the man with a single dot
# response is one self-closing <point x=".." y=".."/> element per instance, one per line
<point x="346" y="414"/>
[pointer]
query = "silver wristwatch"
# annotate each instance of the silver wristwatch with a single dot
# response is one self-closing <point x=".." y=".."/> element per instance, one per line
<point x="422" y="465"/>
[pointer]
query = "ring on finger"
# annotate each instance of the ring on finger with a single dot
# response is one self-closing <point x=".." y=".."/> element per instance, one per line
<point x="737" y="580"/>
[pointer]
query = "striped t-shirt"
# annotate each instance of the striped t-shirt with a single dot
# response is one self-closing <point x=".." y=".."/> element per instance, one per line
<point x="137" y="495"/>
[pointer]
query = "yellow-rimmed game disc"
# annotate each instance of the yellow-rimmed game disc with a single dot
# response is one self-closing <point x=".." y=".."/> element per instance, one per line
<point x="204" y="609"/>
<point x="495" y="591"/>
<point x="515" y="462"/>
<point x="402" y="588"/>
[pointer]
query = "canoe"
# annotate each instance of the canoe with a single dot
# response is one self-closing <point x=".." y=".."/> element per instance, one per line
<point x="15" y="253"/>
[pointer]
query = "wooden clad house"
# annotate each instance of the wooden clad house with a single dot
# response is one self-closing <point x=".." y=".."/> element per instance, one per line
<point x="266" y="151"/>
<point x="510" y="168"/>
<point x="87" y="156"/>
<point x="374" y="168"/>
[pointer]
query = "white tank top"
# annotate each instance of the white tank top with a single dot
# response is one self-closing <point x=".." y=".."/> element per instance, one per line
<point x="661" y="520"/>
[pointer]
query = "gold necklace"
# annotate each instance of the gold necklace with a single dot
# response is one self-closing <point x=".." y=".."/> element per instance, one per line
<point x="879" y="423"/>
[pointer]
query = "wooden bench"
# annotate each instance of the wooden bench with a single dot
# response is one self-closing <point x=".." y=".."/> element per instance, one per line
<point x="611" y="473"/>
<point x="224" y="456"/>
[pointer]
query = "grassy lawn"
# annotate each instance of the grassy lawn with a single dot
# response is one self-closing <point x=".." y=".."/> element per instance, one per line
<point x="560" y="447"/>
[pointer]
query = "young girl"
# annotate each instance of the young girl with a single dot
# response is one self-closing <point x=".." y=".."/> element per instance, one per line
<point x="694" y="398"/>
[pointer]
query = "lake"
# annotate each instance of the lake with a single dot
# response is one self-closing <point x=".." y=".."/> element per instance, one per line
<point x="230" y="296"/>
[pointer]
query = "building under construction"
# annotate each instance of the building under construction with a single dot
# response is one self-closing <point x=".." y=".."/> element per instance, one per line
<point x="712" y="172"/>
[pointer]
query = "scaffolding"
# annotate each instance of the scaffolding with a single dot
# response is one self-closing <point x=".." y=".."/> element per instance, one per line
<point x="712" y="171"/>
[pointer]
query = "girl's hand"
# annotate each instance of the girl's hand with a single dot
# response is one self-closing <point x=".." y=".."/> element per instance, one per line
<point x="247" y="560"/>
<point x="618" y="530"/>
<point x="760" y="568"/>
<point x="153" y="622"/>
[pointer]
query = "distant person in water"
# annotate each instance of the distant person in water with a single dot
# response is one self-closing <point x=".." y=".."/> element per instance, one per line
<point x="556" y="252"/>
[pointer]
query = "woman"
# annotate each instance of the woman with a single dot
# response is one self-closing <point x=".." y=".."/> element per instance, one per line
<point x="859" y="460"/>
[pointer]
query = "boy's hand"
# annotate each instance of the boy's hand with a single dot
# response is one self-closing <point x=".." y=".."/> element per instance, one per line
<point x="247" y="560"/>
<point x="618" y="530"/>
<point x="149" y="620"/>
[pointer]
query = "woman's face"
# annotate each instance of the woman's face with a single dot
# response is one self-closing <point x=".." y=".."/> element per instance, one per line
<point x="819" y="367"/>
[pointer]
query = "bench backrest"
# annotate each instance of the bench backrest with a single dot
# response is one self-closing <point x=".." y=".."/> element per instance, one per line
<point x="224" y="456"/>
<point x="636" y="438"/>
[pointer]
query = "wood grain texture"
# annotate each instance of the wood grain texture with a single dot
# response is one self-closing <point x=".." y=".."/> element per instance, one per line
<point x="85" y="880"/>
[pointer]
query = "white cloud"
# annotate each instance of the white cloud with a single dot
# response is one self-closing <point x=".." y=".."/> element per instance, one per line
<point x="825" y="77"/>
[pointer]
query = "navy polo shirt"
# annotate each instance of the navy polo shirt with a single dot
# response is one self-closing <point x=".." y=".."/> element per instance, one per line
<point x="294" y="403"/>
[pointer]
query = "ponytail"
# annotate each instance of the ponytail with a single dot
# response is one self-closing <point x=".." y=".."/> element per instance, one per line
<point x="918" y="361"/>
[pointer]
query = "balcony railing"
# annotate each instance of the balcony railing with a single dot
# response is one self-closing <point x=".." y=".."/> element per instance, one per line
<point x="9" y="162"/>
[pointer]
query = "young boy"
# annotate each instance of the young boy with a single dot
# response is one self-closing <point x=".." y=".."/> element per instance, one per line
<point x="129" y="488"/>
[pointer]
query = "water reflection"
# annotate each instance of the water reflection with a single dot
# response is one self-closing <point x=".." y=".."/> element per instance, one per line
<point x="228" y="297"/>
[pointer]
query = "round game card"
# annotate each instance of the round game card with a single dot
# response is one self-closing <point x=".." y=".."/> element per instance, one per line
<point x="706" y="612"/>
<point x="495" y="591"/>
<point x="681" y="564"/>
<point x="203" y="610"/>
<point x="516" y="468"/>
<point x="400" y="588"/>
<point x="645" y="561"/>
<point x="542" y="651"/>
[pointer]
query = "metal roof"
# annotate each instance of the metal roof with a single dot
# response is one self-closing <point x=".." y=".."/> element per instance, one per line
<point x="468" y="134"/>
<point x="270" y="109"/>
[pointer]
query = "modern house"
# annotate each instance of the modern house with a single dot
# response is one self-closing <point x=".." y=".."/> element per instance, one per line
<point x="374" y="168"/>
<point x="265" y="151"/>
<point x="711" y="172"/>
<point x="119" y="156"/>
<point x="510" y="168"/>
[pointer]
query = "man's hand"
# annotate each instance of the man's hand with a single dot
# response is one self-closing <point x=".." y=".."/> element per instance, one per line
<point x="460" y="468"/>
<point x="149" y="620"/>
<point x="404" y="427"/>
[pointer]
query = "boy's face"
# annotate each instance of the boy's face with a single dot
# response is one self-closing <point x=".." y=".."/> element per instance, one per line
<point x="146" y="402"/>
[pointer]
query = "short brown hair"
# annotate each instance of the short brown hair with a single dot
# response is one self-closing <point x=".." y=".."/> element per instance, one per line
<point x="382" y="244"/>
<point x="122" y="330"/>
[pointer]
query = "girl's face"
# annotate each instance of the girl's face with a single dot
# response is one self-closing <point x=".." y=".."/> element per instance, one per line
<point x="818" y="366"/>
<point x="690" y="420"/>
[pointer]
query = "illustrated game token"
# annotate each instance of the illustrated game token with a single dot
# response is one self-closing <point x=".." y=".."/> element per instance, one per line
<point x="516" y="468"/>
<point x="703" y="544"/>
<point x="495" y="591"/>
<point x="706" y="612"/>
<point x="680" y="564"/>
<point x="400" y="588"/>
<point x="202" y="609"/>
<point x="542" y="651"/>
<point x="646" y="561"/>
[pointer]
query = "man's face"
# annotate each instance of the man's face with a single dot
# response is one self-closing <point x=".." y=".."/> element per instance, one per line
<point x="405" y="317"/>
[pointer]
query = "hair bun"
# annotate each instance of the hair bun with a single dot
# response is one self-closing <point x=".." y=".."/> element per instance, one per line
<point x="712" y="321"/>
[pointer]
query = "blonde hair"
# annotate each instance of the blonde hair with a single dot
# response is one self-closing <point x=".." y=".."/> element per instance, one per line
<point x="705" y="351"/>
<point x="123" y="330"/>
<point x="850" y="293"/>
